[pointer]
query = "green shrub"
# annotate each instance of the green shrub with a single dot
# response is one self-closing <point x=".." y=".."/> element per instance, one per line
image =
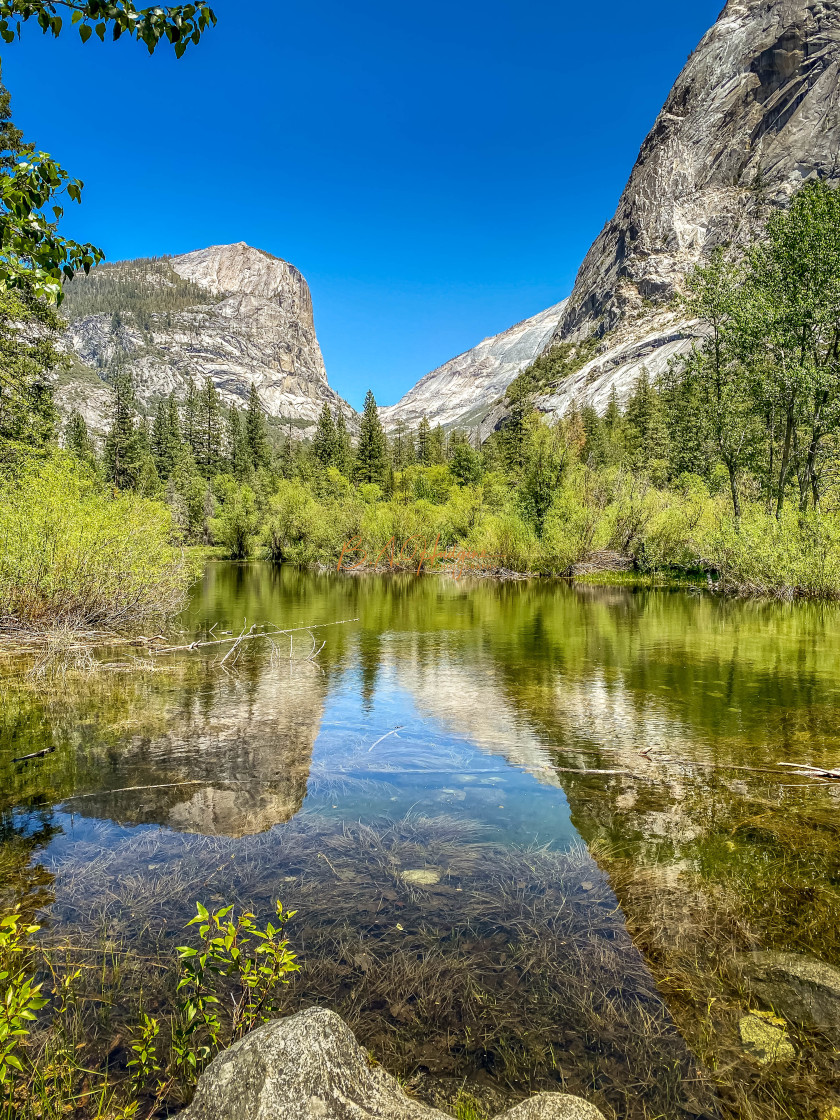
<point x="74" y="556"/>
<point x="797" y="556"/>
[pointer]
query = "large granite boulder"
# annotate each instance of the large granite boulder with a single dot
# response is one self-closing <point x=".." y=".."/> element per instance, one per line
<point x="310" y="1067"/>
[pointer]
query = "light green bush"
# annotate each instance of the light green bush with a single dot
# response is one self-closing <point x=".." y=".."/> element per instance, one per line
<point x="798" y="556"/>
<point x="72" y="555"/>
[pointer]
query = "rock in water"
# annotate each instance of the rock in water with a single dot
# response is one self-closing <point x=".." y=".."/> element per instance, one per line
<point x="310" y="1067"/>
<point x="765" y="1038"/>
<point x="553" y="1106"/>
<point x="804" y="989"/>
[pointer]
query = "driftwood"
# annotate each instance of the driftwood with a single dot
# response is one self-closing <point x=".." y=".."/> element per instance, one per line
<point x="801" y="770"/>
<point x="35" y="754"/>
<point x="251" y="634"/>
<point x="603" y="561"/>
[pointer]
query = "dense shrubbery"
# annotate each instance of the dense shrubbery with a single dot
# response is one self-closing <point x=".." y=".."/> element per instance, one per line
<point x="73" y="555"/>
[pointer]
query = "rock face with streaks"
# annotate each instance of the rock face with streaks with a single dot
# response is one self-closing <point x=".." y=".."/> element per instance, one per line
<point x="232" y="313"/>
<point x="458" y="392"/>
<point x="753" y="115"/>
<point x="310" y="1067"/>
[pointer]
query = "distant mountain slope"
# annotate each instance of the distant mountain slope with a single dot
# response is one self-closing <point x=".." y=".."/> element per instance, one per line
<point x="232" y="313"/>
<point x="460" y="392"/>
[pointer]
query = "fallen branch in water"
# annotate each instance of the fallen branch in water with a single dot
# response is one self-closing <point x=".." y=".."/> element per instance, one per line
<point x="35" y="754"/>
<point x="801" y="770"/>
<point x="393" y="731"/>
<point x="243" y="637"/>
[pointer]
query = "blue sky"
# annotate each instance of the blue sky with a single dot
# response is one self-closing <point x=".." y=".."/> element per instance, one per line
<point x="436" y="171"/>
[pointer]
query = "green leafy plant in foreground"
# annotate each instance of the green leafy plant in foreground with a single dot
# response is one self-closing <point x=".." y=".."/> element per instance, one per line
<point x="21" y="998"/>
<point x="228" y="984"/>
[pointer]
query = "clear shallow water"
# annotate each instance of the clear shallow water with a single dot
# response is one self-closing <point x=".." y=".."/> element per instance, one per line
<point x="573" y="927"/>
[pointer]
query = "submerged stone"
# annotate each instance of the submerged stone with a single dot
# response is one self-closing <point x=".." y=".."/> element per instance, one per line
<point x="765" y="1038"/>
<point x="424" y="877"/>
<point x="804" y="989"/>
<point x="553" y="1106"/>
<point x="310" y="1067"/>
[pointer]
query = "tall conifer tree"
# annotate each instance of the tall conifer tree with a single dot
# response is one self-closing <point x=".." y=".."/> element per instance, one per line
<point x="255" y="432"/>
<point x="343" y="447"/>
<point x="123" y="455"/>
<point x="324" y="442"/>
<point x="372" y="451"/>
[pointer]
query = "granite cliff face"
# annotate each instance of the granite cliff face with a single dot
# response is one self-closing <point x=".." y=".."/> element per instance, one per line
<point x="230" y="312"/>
<point x="459" y="392"/>
<point x="753" y="115"/>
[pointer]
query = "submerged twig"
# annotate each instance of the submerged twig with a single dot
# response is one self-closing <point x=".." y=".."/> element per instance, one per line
<point x="35" y="754"/>
<point x="393" y="731"/>
<point x="804" y="771"/>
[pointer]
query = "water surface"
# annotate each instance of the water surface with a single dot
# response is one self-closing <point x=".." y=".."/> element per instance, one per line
<point x="531" y="831"/>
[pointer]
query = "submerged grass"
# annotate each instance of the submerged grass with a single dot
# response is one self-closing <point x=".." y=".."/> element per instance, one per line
<point x="509" y="973"/>
<point x="765" y="876"/>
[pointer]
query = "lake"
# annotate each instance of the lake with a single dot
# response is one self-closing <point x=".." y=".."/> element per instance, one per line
<point x="537" y="835"/>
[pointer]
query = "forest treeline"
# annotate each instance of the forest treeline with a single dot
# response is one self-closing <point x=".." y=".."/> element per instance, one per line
<point x="726" y="466"/>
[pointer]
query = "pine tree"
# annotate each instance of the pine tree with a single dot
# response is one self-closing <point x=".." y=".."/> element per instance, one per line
<point x="191" y="425"/>
<point x="324" y="443"/>
<point x="437" y="446"/>
<point x="403" y="452"/>
<point x="612" y="417"/>
<point x="256" y="435"/>
<point x="343" y="447"/>
<point x="372" y="451"/>
<point x="77" y="439"/>
<point x="211" y="440"/>
<point x="646" y="433"/>
<point x="237" y="450"/>
<point x="423" y="433"/>
<point x="165" y="440"/>
<point x="124" y="453"/>
<point x="288" y="463"/>
<point x="595" y="448"/>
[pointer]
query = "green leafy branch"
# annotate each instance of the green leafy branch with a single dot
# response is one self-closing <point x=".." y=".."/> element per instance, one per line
<point x="33" y="256"/>
<point x="179" y="25"/>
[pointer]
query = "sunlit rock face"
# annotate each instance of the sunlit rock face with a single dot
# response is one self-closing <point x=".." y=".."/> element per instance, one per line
<point x="234" y="761"/>
<point x="459" y="392"/>
<point x="753" y="115"/>
<point x="240" y="317"/>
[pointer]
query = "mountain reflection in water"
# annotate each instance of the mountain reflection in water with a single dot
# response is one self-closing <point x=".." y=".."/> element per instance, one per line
<point x="422" y="794"/>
